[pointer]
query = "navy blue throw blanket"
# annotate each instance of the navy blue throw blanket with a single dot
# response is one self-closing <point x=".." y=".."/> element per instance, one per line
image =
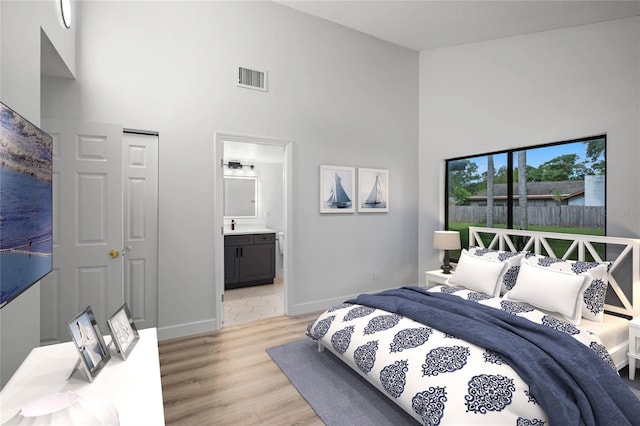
<point x="567" y="378"/>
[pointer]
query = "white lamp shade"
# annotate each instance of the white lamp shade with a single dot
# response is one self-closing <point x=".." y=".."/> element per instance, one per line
<point x="446" y="240"/>
<point x="68" y="408"/>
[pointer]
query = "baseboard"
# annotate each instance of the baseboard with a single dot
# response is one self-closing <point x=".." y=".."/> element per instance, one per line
<point x="321" y="305"/>
<point x="306" y="308"/>
<point x="188" y="329"/>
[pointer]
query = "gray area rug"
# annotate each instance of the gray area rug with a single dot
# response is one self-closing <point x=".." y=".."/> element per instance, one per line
<point x="340" y="396"/>
<point x="337" y="394"/>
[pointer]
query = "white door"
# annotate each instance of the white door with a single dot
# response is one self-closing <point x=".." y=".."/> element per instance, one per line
<point x="140" y="161"/>
<point x="88" y="226"/>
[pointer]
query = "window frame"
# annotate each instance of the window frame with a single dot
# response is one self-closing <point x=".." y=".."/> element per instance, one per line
<point x="510" y="176"/>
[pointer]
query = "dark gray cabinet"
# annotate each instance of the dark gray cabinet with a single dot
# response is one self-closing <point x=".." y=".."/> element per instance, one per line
<point x="249" y="259"/>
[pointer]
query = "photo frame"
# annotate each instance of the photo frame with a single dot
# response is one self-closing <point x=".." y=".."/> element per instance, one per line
<point x="88" y="340"/>
<point x="124" y="333"/>
<point x="373" y="190"/>
<point x="337" y="189"/>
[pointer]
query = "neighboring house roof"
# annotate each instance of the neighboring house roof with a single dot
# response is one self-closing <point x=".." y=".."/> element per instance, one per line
<point x="537" y="190"/>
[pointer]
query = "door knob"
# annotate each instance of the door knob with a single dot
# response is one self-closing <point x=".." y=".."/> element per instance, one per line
<point x="114" y="253"/>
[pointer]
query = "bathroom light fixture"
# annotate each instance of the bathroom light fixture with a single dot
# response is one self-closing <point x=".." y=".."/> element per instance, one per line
<point x="238" y="165"/>
<point x="446" y="240"/>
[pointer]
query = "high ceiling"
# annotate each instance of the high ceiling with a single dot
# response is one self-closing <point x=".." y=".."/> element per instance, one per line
<point x="427" y="24"/>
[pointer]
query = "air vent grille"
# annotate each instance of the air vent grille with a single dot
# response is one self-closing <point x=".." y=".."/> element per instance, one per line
<point x="252" y="79"/>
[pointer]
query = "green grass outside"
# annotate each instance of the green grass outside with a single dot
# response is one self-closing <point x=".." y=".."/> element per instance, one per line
<point x="559" y="247"/>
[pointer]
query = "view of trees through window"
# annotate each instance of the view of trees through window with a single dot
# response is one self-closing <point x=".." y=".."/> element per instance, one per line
<point x="557" y="187"/>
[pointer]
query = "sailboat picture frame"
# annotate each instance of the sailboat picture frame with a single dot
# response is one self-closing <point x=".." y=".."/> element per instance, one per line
<point x="373" y="190"/>
<point x="337" y="189"/>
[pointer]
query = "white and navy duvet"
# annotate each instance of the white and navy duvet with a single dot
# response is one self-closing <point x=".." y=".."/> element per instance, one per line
<point x="468" y="359"/>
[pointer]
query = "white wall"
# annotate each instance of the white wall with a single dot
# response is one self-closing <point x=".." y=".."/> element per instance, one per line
<point x="271" y="200"/>
<point x="21" y="25"/>
<point x="271" y="194"/>
<point x="342" y="97"/>
<point x="528" y="90"/>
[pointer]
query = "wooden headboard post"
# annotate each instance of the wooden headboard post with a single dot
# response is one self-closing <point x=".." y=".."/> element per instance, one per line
<point x="538" y="243"/>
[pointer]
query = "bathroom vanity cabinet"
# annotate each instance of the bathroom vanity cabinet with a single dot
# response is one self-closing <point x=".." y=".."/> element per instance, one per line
<point x="249" y="259"/>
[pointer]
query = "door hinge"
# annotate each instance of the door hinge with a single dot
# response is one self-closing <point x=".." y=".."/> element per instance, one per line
<point x="222" y="230"/>
<point x="222" y="162"/>
<point x="222" y="297"/>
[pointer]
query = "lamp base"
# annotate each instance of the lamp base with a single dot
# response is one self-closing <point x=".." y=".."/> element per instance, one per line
<point x="446" y="268"/>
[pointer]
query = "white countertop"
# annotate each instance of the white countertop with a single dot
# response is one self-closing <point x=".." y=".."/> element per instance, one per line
<point x="133" y="386"/>
<point x="245" y="231"/>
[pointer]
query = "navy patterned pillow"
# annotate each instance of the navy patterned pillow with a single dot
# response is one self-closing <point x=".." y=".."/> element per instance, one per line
<point x="511" y="273"/>
<point x="593" y="306"/>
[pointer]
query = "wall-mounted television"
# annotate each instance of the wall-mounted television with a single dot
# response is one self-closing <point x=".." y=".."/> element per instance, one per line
<point x="26" y="204"/>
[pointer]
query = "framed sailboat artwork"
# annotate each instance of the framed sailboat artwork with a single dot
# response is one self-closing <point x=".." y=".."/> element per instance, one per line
<point x="337" y="189"/>
<point x="373" y="190"/>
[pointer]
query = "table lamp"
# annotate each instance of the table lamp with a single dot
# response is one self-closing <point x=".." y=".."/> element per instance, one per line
<point x="446" y="240"/>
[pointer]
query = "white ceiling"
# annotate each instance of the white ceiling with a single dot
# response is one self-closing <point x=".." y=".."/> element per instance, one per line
<point x="427" y="24"/>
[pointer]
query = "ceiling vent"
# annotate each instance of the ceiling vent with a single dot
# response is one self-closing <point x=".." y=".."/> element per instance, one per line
<point x="252" y="79"/>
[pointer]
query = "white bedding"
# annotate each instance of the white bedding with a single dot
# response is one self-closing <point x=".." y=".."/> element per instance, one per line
<point x="614" y="334"/>
<point x="435" y="377"/>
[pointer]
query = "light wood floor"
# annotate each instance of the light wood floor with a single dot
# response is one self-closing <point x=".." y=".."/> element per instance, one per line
<point x="227" y="378"/>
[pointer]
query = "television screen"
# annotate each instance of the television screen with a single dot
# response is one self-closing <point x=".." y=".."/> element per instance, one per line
<point x="26" y="205"/>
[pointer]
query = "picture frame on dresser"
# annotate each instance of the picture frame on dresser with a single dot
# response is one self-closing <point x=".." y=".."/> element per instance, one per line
<point x="337" y="189"/>
<point x="88" y="340"/>
<point x="124" y="333"/>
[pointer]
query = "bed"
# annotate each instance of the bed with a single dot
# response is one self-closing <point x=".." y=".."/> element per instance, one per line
<point x="519" y="335"/>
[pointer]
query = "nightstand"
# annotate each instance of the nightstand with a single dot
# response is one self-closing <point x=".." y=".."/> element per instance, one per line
<point x="436" y="277"/>
<point x="634" y="346"/>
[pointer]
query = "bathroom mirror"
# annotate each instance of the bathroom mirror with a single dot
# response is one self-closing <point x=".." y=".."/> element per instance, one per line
<point x="240" y="197"/>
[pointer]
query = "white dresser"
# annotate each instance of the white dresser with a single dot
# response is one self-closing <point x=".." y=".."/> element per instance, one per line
<point x="133" y="386"/>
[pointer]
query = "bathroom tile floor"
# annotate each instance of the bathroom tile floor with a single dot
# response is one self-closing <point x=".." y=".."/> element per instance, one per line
<point x="243" y="305"/>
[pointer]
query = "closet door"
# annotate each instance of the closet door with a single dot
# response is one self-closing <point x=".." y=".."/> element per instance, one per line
<point x="140" y="201"/>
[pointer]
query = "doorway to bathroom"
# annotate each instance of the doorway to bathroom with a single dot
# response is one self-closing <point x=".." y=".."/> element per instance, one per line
<point x="251" y="193"/>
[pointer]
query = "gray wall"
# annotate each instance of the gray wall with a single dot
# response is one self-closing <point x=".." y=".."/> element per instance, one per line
<point x="528" y="90"/>
<point x="343" y="98"/>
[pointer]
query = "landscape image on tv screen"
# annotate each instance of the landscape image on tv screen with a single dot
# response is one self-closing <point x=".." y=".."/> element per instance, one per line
<point x="26" y="204"/>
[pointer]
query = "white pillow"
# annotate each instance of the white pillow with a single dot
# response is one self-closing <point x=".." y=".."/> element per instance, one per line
<point x="550" y="290"/>
<point x="594" y="294"/>
<point x="513" y="258"/>
<point x="477" y="274"/>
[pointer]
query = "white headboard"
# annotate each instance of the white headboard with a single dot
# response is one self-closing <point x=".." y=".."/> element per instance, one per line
<point x="623" y="253"/>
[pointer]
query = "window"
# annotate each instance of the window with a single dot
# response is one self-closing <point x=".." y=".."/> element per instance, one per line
<point x="557" y="187"/>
